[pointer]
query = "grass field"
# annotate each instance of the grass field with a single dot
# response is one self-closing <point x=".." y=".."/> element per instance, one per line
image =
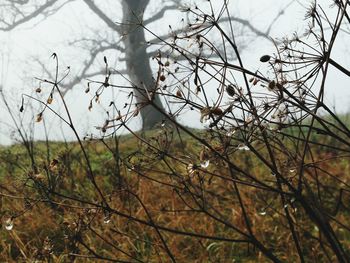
<point x="163" y="191"/>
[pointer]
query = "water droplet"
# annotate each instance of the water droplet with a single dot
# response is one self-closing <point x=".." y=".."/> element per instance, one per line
<point x="107" y="218"/>
<point x="205" y="164"/>
<point x="230" y="133"/>
<point x="262" y="212"/>
<point x="292" y="170"/>
<point x="243" y="147"/>
<point x="9" y="224"/>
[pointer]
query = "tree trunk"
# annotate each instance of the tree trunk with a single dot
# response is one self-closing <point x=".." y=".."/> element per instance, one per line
<point x="138" y="62"/>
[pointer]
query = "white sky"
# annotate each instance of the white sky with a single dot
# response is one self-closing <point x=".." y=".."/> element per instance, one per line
<point x="40" y="38"/>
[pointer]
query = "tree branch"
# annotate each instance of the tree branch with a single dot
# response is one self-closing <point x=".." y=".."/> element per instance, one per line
<point x="26" y="18"/>
<point x="103" y="16"/>
<point x="160" y="14"/>
<point x="84" y="74"/>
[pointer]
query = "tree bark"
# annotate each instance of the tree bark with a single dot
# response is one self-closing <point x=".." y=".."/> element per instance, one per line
<point x="138" y="63"/>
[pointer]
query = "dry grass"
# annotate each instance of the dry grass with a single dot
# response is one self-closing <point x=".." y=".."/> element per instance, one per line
<point x="62" y="229"/>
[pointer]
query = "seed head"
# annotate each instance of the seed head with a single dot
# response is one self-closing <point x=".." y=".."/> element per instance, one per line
<point x="265" y="58"/>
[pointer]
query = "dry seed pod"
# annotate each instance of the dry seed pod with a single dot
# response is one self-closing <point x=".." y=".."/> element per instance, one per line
<point x="179" y="93"/>
<point x="105" y="126"/>
<point x="119" y="117"/>
<point x="162" y="78"/>
<point x="39" y="117"/>
<point x="271" y="85"/>
<point x="49" y="100"/>
<point x="265" y="58"/>
<point x="136" y="112"/>
<point x="216" y="111"/>
<point x="205" y="112"/>
<point x="90" y="106"/>
<point x="279" y="86"/>
<point x="106" y="84"/>
<point x="230" y="89"/>
<point x="88" y="88"/>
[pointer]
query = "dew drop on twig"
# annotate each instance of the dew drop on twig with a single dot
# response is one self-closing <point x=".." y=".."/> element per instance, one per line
<point x="107" y="218"/>
<point x="230" y="133"/>
<point x="205" y="164"/>
<point x="9" y="224"/>
<point x="243" y="148"/>
<point x="262" y="212"/>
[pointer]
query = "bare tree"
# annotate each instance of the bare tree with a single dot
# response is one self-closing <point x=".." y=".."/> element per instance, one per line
<point x="133" y="43"/>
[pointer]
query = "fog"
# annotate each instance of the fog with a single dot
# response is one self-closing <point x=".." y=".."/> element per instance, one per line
<point x="26" y="55"/>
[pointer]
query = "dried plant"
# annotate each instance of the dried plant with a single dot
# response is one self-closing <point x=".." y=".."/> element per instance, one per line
<point x="258" y="183"/>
